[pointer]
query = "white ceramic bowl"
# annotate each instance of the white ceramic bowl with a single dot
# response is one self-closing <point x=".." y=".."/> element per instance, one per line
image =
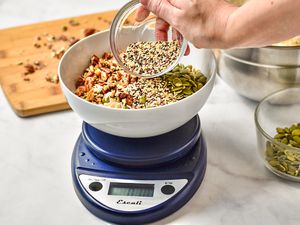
<point x="131" y="122"/>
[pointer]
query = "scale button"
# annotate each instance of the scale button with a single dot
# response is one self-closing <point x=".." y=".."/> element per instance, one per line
<point x="167" y="189"/>
<point x="95" y="186"/>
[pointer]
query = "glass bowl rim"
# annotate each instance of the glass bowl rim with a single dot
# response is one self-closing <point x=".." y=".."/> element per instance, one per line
<point x="112" y="41"/>
<point x="257" y="124"/>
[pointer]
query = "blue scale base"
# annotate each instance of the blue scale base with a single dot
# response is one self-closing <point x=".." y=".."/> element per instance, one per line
<point x="179" y="154"/>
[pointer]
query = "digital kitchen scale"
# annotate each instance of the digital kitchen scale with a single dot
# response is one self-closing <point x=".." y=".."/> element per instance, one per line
<point x="138" y="180"/>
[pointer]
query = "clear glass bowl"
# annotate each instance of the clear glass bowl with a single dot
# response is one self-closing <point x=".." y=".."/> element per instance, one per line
<point x="280" y="109"/>
<point x="125" y="23"/>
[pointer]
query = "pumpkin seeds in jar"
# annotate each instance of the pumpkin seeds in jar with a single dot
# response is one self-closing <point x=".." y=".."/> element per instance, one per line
<point x="285" y="158"/>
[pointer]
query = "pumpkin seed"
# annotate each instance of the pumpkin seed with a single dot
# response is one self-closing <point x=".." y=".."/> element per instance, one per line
<point x="200" y="85"/>
<point x="187" y="91"/>
<point x="280" y="130"/>
<point x="142" y="100"/>
<point x="279" y="136"/>
<point x="203" y="79"/>
<point x="296" y="132"/>
<point x="296" y="139"/>
<point x="281" y="168"/>
<point x="175" y="89"/>
<point x="274" y="163"/>
<point x="177" y="82"/>
<point x="285" y="141"/>
<point x="293" y="143"/>
<point x="193" y="83"/>
<point x="178" y="92"/>
<point x="195" y="89"/>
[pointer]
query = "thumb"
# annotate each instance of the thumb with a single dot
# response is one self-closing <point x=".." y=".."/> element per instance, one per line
<point x="162" y="9"/>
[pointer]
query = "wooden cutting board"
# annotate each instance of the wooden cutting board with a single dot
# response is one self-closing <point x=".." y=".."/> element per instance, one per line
<point x="32" y="94"/>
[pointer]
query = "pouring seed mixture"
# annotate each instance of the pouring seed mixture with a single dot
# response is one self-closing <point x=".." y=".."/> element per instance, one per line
<point x="104" y="82"/>
<point x="150" y="57"/>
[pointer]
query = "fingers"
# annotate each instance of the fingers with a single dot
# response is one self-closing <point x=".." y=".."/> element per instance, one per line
<point x="179" y="4"/>
<point x="161" y="30"/>
<point x="188" y="50"/>
<point x="175" y="34"/>
<point x="165" y="10"/>
<point x="141" y="14"/>
<point x="162" y="9"/>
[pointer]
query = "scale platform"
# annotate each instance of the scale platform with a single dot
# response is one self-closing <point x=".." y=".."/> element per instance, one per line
<point x="138" y="180"/>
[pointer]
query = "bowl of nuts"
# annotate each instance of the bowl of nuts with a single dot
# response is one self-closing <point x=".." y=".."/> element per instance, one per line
<point x="119" y="103"/>
<point x="277" y="120"/>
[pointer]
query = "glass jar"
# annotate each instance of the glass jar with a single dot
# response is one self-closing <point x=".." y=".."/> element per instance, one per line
<point x="126" y="31"/>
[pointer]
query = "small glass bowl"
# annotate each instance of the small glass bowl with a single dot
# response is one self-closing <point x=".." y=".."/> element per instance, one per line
<point x="280" y="109"/>
<point x="125" y="23"/>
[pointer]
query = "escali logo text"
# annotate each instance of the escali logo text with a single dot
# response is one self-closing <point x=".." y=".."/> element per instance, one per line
<point x="122" y="202"/>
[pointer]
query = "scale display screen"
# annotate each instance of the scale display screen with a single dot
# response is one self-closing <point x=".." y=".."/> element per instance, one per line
<point x="131" y="189"/>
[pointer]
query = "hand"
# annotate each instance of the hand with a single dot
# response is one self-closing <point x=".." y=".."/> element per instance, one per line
<point x="201" y="22"/>
<point x="161" y="27"/>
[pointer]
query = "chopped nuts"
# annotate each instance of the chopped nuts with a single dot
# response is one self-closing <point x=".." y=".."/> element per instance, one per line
<point x="64" y="28"/>
<point x="89" y="31"/>
<point x="58" y="54"/>
<point x="38" y="65"/>
<point x="51" y="38"/>
<point x="54" y="44"/>
<point x="52" y="79"/>
<point x="37" y="45"/>
<point x="74" y="23"/>
<point x="63" y="38"/>
<point x="29" y="69"/>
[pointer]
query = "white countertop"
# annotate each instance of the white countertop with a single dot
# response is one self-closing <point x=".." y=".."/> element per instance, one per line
<point x="36" y="185"/>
